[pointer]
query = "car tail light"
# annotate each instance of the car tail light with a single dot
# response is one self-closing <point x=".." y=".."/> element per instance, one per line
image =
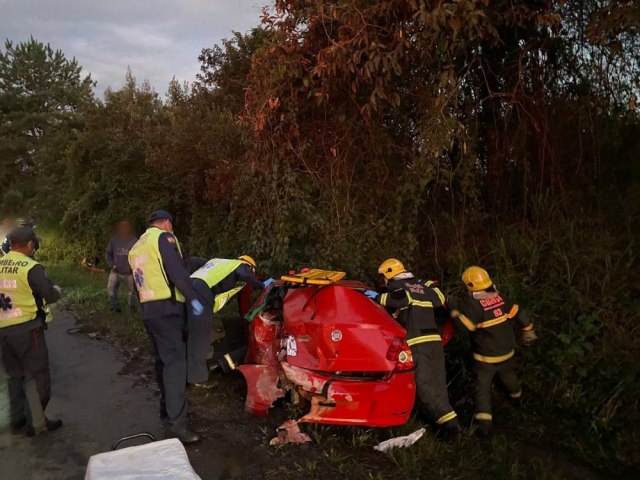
<point x="400" y="353"/>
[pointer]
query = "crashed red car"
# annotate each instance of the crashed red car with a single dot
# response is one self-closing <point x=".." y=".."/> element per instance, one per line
<point x="331" y="345"/>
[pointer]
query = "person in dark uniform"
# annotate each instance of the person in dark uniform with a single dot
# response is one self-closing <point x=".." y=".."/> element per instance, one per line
<point x="25" y="293"/>
<point x="412" y="302"/>
<point x="164" y="288"/>
<point x="488" y="316"/>
<point x="216" y="282"/>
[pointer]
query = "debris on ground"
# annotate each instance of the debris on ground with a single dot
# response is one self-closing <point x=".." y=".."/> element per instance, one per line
<point x="405" y="441"/>
<point x="289" y="432"/>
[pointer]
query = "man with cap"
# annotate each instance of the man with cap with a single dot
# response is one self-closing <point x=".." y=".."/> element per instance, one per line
<point x="25" y="293"/>
<point x="216" y="282"/>
<point x="164" y="288"/>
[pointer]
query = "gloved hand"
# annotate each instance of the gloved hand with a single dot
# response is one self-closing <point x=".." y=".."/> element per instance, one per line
<point x="268" y="282"/>
<point x="197" y="307"/>
<point x="529" y="336"/>
<point x="372" y="294"/>
<point x="58" y="289"/>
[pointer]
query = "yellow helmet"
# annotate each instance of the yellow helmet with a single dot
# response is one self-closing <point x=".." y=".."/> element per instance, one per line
<point x="391" y="267"/>
<point x="476" y="279"/>
<point x="248" y="260"/>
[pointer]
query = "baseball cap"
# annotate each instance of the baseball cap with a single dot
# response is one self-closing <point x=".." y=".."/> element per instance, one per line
<point x="160" y="215"/>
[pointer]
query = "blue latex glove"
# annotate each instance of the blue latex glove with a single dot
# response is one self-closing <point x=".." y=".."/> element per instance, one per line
<point x="268" y="282"/>
<point x="372" y="294"/>
<point x="197" y="307"/>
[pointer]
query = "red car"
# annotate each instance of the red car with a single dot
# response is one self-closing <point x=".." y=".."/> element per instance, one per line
<point x="319" y="337"/>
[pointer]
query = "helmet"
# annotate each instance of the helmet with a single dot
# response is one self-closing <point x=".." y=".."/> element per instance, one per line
<point x="248" y="260"/>
<point x="476" y="279"/>
<point x="391" y="267"/>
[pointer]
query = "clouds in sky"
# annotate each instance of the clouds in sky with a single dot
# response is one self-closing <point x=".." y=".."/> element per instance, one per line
<point x="158" y="39"/>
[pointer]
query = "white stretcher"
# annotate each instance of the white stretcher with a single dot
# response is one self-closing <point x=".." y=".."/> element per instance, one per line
<point x="166" y="459"/>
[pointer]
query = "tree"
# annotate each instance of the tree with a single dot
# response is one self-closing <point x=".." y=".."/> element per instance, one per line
<point x="41" y="93"/>
<point x="107" y="176"/>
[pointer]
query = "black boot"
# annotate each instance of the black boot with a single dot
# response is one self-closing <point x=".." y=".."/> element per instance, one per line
<point x="183" y="434"/>
<point x="484" y="429"/>
<point x="451" y="431"/>
<point x="50" y="426"/>
<point x="17" y="427"/>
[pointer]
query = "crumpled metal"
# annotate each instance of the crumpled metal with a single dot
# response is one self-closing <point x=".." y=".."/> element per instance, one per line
<point x="289" y="432"/>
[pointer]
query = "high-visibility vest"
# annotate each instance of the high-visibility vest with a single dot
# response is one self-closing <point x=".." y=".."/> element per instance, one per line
<point x="17" y="303"/>
<point x="148" y="271"/>
<point x="213" y="272"/>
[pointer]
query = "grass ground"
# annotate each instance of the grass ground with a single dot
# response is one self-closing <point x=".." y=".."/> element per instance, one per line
<point x="527" y="444"/>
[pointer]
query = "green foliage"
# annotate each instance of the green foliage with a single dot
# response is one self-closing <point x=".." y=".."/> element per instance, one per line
<point x="41" y="92"/>
<point x="338" y="134"/>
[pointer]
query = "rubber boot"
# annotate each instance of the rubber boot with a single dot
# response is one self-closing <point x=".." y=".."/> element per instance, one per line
<point x="49" y="426"/>
<point x="451" y="431"/>
<point x="183" y="434"/>
<point x="484" y="429"/>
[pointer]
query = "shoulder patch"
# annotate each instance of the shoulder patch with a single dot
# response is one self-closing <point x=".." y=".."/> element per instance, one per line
<point x="171" y="239"/>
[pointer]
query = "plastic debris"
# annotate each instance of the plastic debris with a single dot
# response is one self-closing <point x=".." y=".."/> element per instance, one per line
<point x="289" y="432"/>
<point x="404" y="442"/>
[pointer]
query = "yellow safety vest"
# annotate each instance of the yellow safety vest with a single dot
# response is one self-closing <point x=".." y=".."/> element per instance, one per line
<point x="213" y="272"/>
<point x="148" y="271"/>
<point x="17" y="303"/>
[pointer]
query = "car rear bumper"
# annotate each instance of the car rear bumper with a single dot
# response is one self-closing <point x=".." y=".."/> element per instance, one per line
<point x="337" y="401"/>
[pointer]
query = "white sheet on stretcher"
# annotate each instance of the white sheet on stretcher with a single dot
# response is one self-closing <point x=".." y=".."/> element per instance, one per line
<point x="166" y="459"/>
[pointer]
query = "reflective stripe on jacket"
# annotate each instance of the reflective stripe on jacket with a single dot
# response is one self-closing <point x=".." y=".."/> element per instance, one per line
<point x="17" y="303"/>
<point x="213" y="272"/>
<point x="148" y="270"/>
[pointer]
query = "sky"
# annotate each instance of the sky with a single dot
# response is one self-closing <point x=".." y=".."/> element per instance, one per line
<point x="157" y="39"/>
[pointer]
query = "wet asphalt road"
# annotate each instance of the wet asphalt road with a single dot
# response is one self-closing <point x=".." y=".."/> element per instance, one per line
<point x="97" y="406"/>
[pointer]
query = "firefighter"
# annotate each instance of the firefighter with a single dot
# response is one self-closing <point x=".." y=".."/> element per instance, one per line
<point x="25" y="293"/>
<point x="164" y="287"/>
<point x="216" y="282"/>
<point x="488" y="316"/>
<point x="412" y="302"/>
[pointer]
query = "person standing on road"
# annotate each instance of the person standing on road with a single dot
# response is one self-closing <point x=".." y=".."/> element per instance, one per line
<point x="487" y="315"/>
<point x="117" y="260"/>
<point x="163" y="285"/>
<point x="412" y="301"/>
<point x="216" y="282"/>
<point x="25" y="293"/>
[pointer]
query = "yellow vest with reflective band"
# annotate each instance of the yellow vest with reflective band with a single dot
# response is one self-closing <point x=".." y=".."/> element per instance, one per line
<point x="148" y="271"/>
<point x="17" y="303"/>
<point x="213" y="272"/>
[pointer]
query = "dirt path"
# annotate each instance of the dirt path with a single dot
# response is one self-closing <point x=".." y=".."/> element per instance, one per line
<point x="103" y="393"/>
<point x="97" y="405"/>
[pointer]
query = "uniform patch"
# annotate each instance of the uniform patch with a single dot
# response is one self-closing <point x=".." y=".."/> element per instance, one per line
<point x="5" y="302"/>
<point x="171" y="239"/>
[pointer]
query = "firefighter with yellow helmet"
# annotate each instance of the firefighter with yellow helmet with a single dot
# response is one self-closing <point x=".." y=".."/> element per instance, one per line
<point x="412" y="301"/>
<point x="216" y="282"/>
<point x="488" y="316"/>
